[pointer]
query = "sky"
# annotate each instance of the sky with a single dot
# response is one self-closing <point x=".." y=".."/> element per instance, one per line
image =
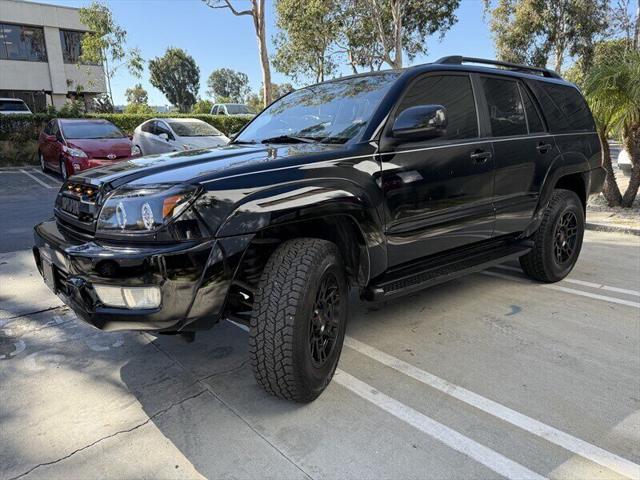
<point x="217" y="38"/>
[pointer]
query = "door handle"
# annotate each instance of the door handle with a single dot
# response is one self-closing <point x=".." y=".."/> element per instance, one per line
<point x="480" y="156"/>
<point x="543" y="147"/>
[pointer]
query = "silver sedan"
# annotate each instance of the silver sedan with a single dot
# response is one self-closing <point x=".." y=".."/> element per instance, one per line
<point x="162" y="135"/>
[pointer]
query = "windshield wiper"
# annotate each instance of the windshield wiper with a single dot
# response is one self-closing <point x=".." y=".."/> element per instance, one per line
<point x="289" y="139"/>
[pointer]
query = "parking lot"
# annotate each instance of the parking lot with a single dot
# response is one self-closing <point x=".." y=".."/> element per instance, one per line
<point x="489" y="376"/>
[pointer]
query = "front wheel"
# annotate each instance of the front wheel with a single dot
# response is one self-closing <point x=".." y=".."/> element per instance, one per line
<point x="299" y="319"/>
<point x="558" y="240"/>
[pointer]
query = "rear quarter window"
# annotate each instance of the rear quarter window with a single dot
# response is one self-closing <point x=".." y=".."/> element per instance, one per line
<point x="564" y="107"/>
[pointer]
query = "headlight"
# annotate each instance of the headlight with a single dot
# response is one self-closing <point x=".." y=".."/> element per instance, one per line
<point x="144" y="209"/>
<point x="135" y="150"/>
<point x="74" y="152"/>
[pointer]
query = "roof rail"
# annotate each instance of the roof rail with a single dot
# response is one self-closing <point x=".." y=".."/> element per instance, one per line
<point x="458" y="60"/>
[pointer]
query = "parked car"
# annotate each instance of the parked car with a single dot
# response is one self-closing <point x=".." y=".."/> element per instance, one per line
<point x="13" y="106"/>
<point x="624" y="161"/>
<point x="69" y="146"/>
<point x="230" y="109"/>
<point x="385" y="182"/>
<point x="162" y="135"/>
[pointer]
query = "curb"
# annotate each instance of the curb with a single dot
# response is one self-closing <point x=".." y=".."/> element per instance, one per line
<point x="603" y="227"/>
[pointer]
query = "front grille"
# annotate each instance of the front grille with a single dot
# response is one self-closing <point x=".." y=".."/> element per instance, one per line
<point x="77" y="207"/>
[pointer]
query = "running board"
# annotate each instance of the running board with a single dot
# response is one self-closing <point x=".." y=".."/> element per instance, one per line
<point x="432" y="271"/>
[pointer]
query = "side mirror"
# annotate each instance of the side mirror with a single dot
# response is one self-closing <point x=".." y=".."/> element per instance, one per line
<point x="421" y="122"/>
<point x="164" y="136"/>
<point x="51" y="138"/>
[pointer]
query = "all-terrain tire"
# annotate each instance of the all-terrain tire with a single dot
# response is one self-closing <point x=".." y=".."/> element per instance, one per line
<point x="286" y="326"/>
<point x="555" y="252"/>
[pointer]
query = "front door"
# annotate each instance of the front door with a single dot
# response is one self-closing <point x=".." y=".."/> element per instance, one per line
<point x="438" y="192"/>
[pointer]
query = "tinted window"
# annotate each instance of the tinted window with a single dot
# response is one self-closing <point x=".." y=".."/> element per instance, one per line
<point x="161" y="127"/>
<point x="455" y="94"/>
<point x="85" y="130"/>
<point x="71" y="42"/>
<point x="533" y="117"/>
<point x="563" y="107"/>
<point x="147" y="127"/>
<point x="506" y="112"/>
<point x="237" y="109"/>
<point x="214" y="110"/>
<point x="13" y="106"/>
<point x="19" y="42"/>
<point x="193" y="128"/>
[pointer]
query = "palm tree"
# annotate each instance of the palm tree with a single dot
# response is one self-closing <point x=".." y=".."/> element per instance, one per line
<point x="612" y="89"/>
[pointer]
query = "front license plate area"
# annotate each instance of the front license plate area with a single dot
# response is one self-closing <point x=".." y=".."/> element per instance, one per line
<point x="70" y="205"/>
<point x="48" y="273"/>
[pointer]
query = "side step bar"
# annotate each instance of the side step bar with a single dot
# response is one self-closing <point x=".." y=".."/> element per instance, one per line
<point x="432" y="272"/>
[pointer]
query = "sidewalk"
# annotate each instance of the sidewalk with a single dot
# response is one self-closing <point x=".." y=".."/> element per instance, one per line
<point x="613" y="219"/>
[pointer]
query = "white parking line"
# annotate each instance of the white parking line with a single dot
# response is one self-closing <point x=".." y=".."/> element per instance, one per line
<point x="573" y="291"/>
<point x="597" y="286"/>
<point x="37" y="179"/>
<point x="481" y="454"/>
<point x="535" y="427"/>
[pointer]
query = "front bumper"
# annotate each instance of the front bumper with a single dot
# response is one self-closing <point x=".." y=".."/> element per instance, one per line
<point x="194" y="278"/>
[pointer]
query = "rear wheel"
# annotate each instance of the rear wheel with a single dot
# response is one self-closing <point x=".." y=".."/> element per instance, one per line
<point x="299" y="319"/>
<point x="558" y="240"/>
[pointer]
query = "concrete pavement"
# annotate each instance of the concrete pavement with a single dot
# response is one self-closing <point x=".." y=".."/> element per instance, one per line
<point x="489" y="376"/>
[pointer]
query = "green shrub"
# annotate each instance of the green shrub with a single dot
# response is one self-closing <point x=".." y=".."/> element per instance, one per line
<point x="13" y="153"/>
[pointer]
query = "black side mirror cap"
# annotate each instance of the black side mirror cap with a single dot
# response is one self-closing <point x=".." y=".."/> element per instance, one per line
<point x="420" y="122"/>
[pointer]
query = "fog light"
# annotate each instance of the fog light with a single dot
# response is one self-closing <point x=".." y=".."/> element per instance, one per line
<point x="129" y="297"/>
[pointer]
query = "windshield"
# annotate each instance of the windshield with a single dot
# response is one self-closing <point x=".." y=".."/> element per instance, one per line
<point x="332" y="112"/>
<point x="237" y="109"/>
<point x="87" y="130"/>
<point x="193" y="128"/>
<point x="13" y="106"/>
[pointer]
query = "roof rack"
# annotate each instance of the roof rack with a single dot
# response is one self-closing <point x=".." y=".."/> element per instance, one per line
<point x="458" y="60"/>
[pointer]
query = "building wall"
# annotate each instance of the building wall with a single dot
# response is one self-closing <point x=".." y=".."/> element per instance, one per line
<point x="54" y="76"/>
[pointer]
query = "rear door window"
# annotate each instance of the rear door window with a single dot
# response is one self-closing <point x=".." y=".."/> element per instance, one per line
<point x="506" y="111"/>
<point x="455" y="94"/>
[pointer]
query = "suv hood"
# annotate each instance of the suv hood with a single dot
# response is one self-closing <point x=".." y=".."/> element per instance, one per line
<point x="195" y="166"/>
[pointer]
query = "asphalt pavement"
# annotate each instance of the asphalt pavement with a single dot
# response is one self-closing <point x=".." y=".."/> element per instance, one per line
<point x="488" y="376"/>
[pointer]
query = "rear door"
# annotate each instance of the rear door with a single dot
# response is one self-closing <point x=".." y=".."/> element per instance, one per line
<point x="438" y="192"/>
<point x="522" y="147"/>
<point x="51" y="151"/>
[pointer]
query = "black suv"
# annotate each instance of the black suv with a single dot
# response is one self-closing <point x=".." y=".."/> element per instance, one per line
<point x="387" y="182"/>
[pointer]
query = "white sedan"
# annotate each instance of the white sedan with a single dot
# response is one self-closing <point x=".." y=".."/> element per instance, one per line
<point x="162" y="135"/>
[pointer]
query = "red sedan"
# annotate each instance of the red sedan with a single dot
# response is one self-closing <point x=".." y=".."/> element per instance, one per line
<point x="71" y="145"/>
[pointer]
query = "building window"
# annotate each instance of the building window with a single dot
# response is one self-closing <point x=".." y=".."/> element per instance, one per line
<point x="71" y="41"/>
<point x="20" y="42"/>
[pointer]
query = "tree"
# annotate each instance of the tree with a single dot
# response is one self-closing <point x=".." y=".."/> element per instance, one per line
<point x="533" y="31"/>
<point x="256" y="12"/>
<point x="102" y="104"/>
<point x="137" y="94"/>
<point x="202" y="106"/>
<point x="358" y="40"/>
<point x="177" y="76"/>
<point x="229" y="84"/>
<point x="138" y="109"/>
<point x="402" y="26"/>
<point x="105" y="42"/>
<point x="613" y="92"/>
<point x="304" y="45"/>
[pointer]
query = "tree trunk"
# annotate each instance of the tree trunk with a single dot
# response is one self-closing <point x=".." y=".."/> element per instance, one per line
<point x="258" y="20"/>
<point x="632" y="145"/>
<point x="636" y="37"/>
<point x="397" y="12"/>
<point x="610" y="189"/>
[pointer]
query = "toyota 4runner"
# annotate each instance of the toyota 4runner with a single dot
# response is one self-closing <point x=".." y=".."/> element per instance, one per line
<point x="385" y="182"/>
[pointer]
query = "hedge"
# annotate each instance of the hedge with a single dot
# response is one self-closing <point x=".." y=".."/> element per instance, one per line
<point x="22" y="128"/>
